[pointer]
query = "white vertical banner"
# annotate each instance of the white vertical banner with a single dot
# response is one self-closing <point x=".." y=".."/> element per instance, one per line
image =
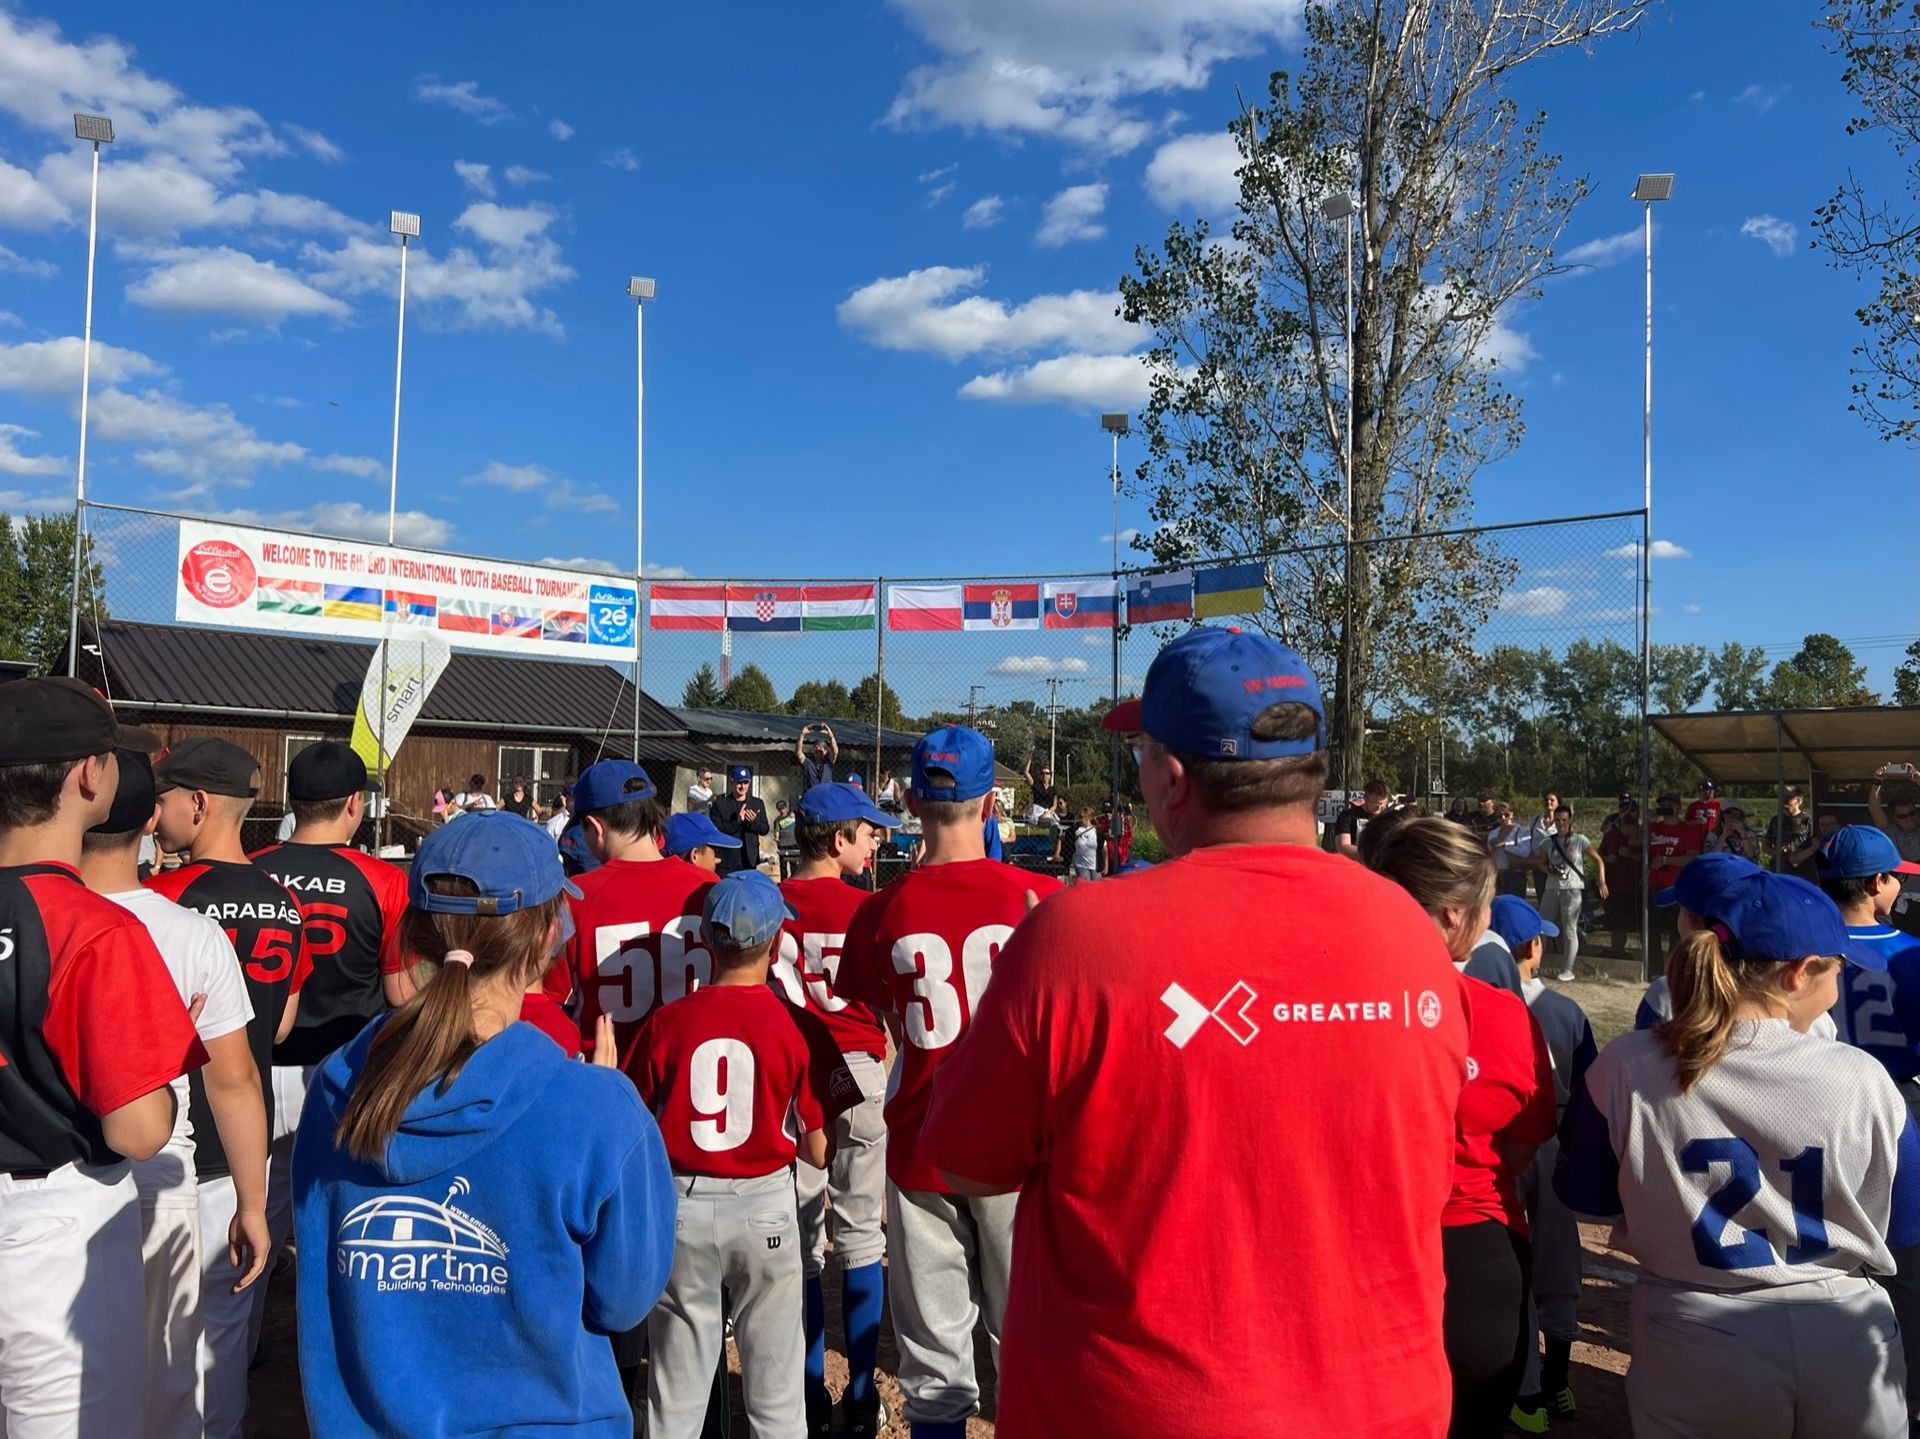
<point x="394" y="693"/>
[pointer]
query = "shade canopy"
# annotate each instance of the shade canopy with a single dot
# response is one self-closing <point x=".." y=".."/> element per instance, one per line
<point x="1761" y="746"/>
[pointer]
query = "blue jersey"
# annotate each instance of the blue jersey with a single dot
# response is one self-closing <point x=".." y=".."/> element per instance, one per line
<point x="1880" y="1013"/>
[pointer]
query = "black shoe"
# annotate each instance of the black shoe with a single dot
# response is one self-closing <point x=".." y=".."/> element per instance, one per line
<point x="863" y="1421"/>
<point x="819" y="1415"/>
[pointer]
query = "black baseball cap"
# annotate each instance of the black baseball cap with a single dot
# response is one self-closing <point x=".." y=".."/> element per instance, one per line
<point x="48" y="720"/>
<point x="327" y="770"/>
<point x="133" y="802"/>
<point x="215" y="765"/>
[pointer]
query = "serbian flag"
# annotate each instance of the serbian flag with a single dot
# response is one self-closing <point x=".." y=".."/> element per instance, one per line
<point x="763" y="609"/>
<point x="515" y="624"/>
<point x="923" y="607"/>
<point x="1230" y="590"/>
<point x="567" y="625"/>
<point x="1154" y="599"/>
<point x="1000" y="605"/>
<point x="1082" y="605"/>
<point x="409" y="609"/>
<point x="463" y="616"/>
<point x="688" y="607"/>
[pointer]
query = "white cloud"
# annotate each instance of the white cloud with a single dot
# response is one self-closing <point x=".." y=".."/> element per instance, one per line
<point x="1091" y="381"/>
<point x="621" y="159"/>
<point x="1198" y="173"/>
<point x="52" y="367"/>
<point x="918" y="311"/>
<point x="1662" y="550"/>
<point x="26" y="203"/>
<point x="13" y="264"/>
<point x="1037" y="665"/>
<point x="10" y="321"/>
<point x="463" y="96"/>
<point x="1541" y="602"/>
<point x="560" y="129"/>
<point x="984" y="213"/>
<point x="939" y="193"/>
<point x="1506" y="348"/>
<point x="518" y="175"/>
<point x="1691" y="609"/>
<point x="205" y="446"/>
<point x="349" y="519"/>
<point x="316" y="145"/>
<point x="1759" y="97"/>
<point x="12" y="462"/>
<point x="606" y="567"/>
<point x="1073" y="214"/>
<point x="927" y="177"/>
<point x="1776" y="234"/>
<point x="1069" y="69"/>
<point x="225" y="281"/>
<point x="476" y="177"/>
<point x="1127" y="537"/>
<point x="1606" y="250"/>
<point x="43" y="77"/>
<point x="555" y="492"/>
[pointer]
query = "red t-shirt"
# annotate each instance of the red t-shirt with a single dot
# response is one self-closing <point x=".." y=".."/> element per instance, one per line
<point x="1670" y="844"/>
<point x="807" y="961"/>
<point x="636" y="942"/>
<point x="1508" y="1099"/>
<point x="1704" y="812"/>
<point x="550" y="1019"/>
<point x="735" y="1075"/>
<point x="1228" y="1086"/>
<point x="924" y="948"/>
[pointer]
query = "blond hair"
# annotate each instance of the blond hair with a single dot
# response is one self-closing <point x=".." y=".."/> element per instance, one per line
<point x="1708" y="986"/>
<point x="1438" y="862"/>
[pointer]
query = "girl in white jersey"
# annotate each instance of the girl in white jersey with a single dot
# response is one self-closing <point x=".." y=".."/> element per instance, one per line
<point x="1762" y="1175"/>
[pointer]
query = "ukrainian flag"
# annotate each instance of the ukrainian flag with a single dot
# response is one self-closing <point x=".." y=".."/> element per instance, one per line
<point x="1230" y="590"/>
<point x="350" y="602"/>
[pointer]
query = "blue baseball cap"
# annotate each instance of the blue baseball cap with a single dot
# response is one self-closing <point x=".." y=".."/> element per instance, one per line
<point x="573" y="848"/>
<point x="748" y="906"/>
<point x="1704" y="881"/>
<point x="1859" y="851"/>
<point x="1134" y="866"/>
<point x="511" y="860"/>
<point x="740" y="774"/>
<point x="1518" y="922"/>
<point x="855" y="780"/>
<point x="965" y="754"/>
<point x="1204" y="691"/>
<point x="610" y="782"/>
<point x="1783" y="917"/>
<point x="838" y="804"/>
<point x="687" y="832"/>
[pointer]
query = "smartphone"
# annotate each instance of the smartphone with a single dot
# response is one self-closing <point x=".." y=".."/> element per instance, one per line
<point x="1905" y="769"/>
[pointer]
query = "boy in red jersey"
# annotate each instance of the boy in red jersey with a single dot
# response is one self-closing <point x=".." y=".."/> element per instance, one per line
<point x="741" y="1084"/>
<point x="837" y="830"/>
<point x="922" y="951"/>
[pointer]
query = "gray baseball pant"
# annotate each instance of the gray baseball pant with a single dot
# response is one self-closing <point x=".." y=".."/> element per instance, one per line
<point x="948" y="1263"/>
<point x="854" y="1181"/>
<point x="1555" y="1233"/>
<point x="743" y="1234"/>
<point x="1794" y="1361"/>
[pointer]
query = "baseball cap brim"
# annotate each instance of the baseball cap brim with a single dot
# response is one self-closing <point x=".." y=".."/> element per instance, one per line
<point x="1549" y="929"/>
<point x="1865" y="956"/>
<point x="1124" y="718"/>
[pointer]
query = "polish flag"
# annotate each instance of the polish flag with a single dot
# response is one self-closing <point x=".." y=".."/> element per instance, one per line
<point x="923" y="607"/>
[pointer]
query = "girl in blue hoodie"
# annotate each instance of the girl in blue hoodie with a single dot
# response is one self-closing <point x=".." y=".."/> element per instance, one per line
<point x="475" y="1212"/>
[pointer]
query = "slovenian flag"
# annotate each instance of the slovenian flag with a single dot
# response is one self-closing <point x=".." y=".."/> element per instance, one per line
<point x="408" y="609"/>
<point x="288" y="597"/>
<point x="923" y="607"/>
<point x="763" y="609"/>
<point x="569" y="626"/>
<point x="688" y="607"/>
<point x="515" y="624"/>
<point x="1156" y="599"/>
<point x="837" y="607"/>
<point x="1230" y="589"/>
<point x="463" y="616"/>
<point x="350" y="602"/>
<point x="1082" y="605"/>
<point x="1000" y="605"/>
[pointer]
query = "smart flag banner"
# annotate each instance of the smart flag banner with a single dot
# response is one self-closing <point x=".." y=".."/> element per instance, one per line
<point x="1157" y="599"/>
<point x="763" y="609"/>
<point x="294" y="582"/>
<point x="688" y="607"/>
<point x="837" y="607"/>
<point x="1000" y="605"/>
<point x="1230" y="590"/>
<point x="415" y="660"/>
<point x="1081" y="605"/>
<point x="923" y="607"/>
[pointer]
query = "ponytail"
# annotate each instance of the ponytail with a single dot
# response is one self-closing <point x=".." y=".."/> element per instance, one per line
<point x="430" y="1037"/>
<point x="1708" y="986"/>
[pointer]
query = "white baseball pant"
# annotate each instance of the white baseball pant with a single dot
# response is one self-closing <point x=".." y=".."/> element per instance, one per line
<point x="226" y="1318"/>
<point x="73" y="1357"/>
<point x="948" y="1262"/>
<point x="289" y="1097"/>
<point x="1555" y="1235"/>
<point x="1820" y="1358"/>
<point x="854" y="1181"/>
<point x="743" y="1234"/>
<point x="170" y="1267"/>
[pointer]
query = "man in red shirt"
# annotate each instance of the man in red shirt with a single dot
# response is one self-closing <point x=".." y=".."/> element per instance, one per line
<point x="1671" y="842"/>
<point x="1705" y="811"/>
<point x="92" y="1035"/>
<point x="1121" y="1067"/>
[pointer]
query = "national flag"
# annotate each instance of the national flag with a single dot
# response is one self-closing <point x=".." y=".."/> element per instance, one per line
<point x="410" y="609"/>
<point x="567" y="625"/>
<point x="837" y="607"/>
<point x="288" y="597"/>
<point x="688" y="607"/>
<point x="1152" y="599"/>
<point x="763" y="609"/>
<point x="350" y="602"/>
<point x="1000" y="605"/>
<point x="463" y="616"/>
<point x="513" y="623"/>
<point x="1081" y="605"/>
<point x="1230" y="589"/>
<point x="923" y="607"/>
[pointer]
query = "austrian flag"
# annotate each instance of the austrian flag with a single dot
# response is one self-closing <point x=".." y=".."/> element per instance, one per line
<point x="688" y="607"/>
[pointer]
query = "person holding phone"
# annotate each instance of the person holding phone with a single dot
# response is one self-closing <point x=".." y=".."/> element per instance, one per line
<point x="816" y="768"/>
<point x="1899" y="818"/>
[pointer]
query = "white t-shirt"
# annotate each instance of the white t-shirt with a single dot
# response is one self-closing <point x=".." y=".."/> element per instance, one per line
<point x="1566" y="856"/>
<point x="478" y="799"/>
<point x="201" y="960"/>
<point x="557" y="825"/>
<point x="698" y="798"/>
<point x="1086" y="848"/>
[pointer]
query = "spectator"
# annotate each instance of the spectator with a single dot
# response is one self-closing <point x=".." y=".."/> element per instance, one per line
<point x="1733" y="836"/>
<point x="1040" y="810"/>
<point x="519" y="798"/>
<point x="1355" y="818"/>
<point x="1790" y="841"/>
<point x="1003" y="822"/>
<point x="742" y="815"/>
<point x="476" y="797"/>
<point x="1086" y="847"/>
<point x="1488" y="815"/>
<point x="1898" y="820"/>
<point x="786" y="842"/>
<point x="886" y="794"/>
<point x="562" y="815"/>
<point x="700" y="793"/>
<point x="1705" y="811"/>
<point x="817" y="768"/>
<point x="1826" y="825"/>
<point x="1622" y="848"/>
<point x="1541" y="826"/>
<point x="1565" y="859"/>
<point x="1671" y="842"/>
<point x="1511" y="846"/>
<point x="1119" y="829"/>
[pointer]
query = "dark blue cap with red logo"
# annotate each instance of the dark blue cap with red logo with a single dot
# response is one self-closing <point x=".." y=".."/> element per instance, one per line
<point x="1204" y="691"/>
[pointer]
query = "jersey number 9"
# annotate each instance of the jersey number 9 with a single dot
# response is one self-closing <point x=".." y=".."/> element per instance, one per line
<point x="720" y="1090"/>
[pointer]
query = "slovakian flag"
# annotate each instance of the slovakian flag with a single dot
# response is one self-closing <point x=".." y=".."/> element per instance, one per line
<point x="763" y="609"/>
<point x="687" y="607"/>
<point x="1081" y="605"/>
<point x="569" y="626"/>
<point x="1000" y="605"/>
<point x="1154" y="599"/>
<point x="463" y="616"/>
<point x="837" y="607"/>
<point x="350" y="602"/>
<point x="923" y="607"/>
<point x="515" y="624"/>
<point x="1230" y="590"/>
<point x="410" y="609"/>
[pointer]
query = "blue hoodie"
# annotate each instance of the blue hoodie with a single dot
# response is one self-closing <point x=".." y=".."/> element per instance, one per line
<point x="467" y="1283"/>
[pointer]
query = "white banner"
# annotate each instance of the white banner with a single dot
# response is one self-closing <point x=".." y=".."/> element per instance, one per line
<point x="291" y="582"/>
<point x="414" y="660"/>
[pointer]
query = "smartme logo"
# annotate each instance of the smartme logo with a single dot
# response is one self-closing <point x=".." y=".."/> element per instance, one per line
<point x="402" y="1242"/>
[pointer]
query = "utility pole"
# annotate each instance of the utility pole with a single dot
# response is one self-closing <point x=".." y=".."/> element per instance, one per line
<point x="973" y="706"/>
<point x="1053" y="725"/>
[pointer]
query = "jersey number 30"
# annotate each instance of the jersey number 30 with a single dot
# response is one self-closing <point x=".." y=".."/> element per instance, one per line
<point x="934" y="1019"/>
<point x="1806" y="1173"/>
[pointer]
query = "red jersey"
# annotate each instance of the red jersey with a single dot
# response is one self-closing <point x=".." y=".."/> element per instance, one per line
<point x="1508" y="1099"/>
<point x="1670" y="844"/>
<point x="636" y="942"/>
<point x="539" y="1010"/>
<point x="1704" y="812"/>
<point x="807" y="961"/>
<point x="1174" y="1059"/>
<point x="924" y="948"/>
<point x="735" y="1075"/>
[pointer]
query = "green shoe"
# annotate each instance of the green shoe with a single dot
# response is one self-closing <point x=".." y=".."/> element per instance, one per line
<point x="1563" y="1404"/>
<point x="1529" y="1421"/>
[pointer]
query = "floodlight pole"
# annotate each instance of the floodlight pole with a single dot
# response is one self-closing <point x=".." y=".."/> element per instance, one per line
<point x="406" y="225"/>
<point x="1116" y="425"/>
<point x="99" y="130"/>
<point x="641" y="290"/>
<point x="1647" y="190"/>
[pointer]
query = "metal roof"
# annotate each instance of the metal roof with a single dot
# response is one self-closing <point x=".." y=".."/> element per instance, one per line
<point x="754" y="727"/>
<point x="1763" y="746"/>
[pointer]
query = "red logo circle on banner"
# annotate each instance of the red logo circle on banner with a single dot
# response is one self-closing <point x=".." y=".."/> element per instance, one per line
<point x="218" y="573"/>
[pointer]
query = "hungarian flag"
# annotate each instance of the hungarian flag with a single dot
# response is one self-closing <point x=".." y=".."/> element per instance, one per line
<point x="288" y="597"/>
<point x="1082" y="605"/>
<point x="463" y="616"/>
<point x="1000" y="605"/>
<point x="688" y="607"/>
<point x="923" y="607"/>
<point x="837" y="607"/>
<point x="409" y="609"/>
<point x="763" y="609"/>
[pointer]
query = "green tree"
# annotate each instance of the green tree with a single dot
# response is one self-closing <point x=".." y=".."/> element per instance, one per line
<point x="1594" y="691"/>
<point x="821" y="699"/>
<point x="1738" y="674"/>
<point x="1906" y="678"/>
<point x="1680" y="677"/>
<point x="36" y="587"/>
<point x="1402" y="105"/>
<point x="750" y="689"/>
<point x="891" y="715"/>
<point x="702" y="691"/>
<point x="1822" y="672"/>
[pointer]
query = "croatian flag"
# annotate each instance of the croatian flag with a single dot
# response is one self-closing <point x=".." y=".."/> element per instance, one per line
<point x="923" y="607"/>
<point x="463" y="616"/>
<point x="688" y="607"/>
<point x="1082" y="605"/>
<point x="566" y="625"/>
<point x="516" y="624"/>
<point x="763" y="609"/>
<point x="1000" y="605"/>
<point x="1154" y="599"/>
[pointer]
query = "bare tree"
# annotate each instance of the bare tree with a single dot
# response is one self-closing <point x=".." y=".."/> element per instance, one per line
<point x="1400" y="105"/>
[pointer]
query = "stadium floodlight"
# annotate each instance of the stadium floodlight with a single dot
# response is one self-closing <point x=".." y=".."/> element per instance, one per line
<point x="1653" y="187"/>
<point x="1338" y="206"/>
<point x="640" y="289"/>
<point x="99" y="130"/>
<point x="1114" y="422"/>
<point x="404" y="223"/>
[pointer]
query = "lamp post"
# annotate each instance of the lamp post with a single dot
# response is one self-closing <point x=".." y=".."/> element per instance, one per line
<point x="406" y="226"/>
<point x="642" y="291"/>
<point x="1342" y="207"/>
<point x="99" y="130"/>
<point x="1648" y="190"/>
<point x="1115" y="424"/>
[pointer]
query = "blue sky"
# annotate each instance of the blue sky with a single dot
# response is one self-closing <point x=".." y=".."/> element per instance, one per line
<point x="886" y="240"/>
